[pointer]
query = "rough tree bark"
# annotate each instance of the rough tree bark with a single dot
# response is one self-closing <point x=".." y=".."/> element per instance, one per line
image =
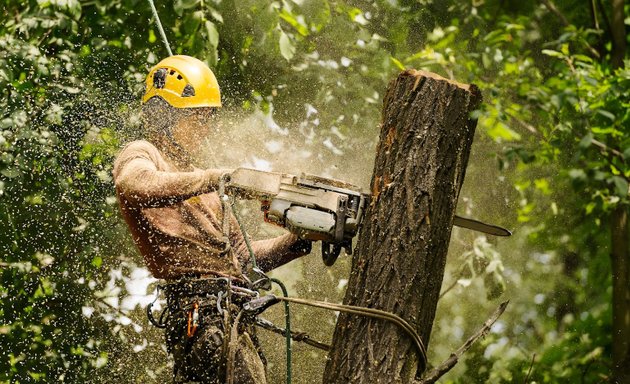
<point x="620" y="226"/>
<point x="425" y="140"/>
<point x="620" y="260"/>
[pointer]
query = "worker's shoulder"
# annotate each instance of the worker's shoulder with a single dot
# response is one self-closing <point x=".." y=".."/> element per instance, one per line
<point x="134" y="150"/>
<point x="138" y="148"/>
<point x="139" y="145"/>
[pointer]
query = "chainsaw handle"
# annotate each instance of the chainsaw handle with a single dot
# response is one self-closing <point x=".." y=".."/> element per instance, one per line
<point x="330" y="252"/>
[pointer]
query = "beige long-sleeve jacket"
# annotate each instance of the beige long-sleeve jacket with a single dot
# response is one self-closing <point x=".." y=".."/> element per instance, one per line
<point x="176" y="218"/>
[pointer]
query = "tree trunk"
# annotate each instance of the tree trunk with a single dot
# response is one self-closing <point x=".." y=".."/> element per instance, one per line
<point x="620" y="260"/>
<point x="620" y="247"/>
<point x="425" y="140"/>
<point x="618" y="32"/>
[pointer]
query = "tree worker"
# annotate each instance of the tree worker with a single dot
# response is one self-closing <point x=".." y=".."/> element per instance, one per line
<point x="185" y="234"/>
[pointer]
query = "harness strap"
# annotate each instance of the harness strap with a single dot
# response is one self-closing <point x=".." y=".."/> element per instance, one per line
<point x="232" y="348"/>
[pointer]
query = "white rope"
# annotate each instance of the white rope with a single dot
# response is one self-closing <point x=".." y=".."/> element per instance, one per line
<point x="159" y="24"/>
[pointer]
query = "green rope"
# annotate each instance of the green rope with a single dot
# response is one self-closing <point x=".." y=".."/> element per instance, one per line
<point x="252" y="256"/>
<point x="287" y="314"/>
<point x="159" y="24"/>
<point x="287" y="319"/>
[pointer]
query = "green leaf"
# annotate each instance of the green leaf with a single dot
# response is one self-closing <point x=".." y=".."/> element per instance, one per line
<point x="583" y="58"/>
<point x="552" y="53"/>
<point x="397" y="63"/>
<point x="216" y="15"/>
<point x="621" y="186"/>
<point x="295" y="22"/>
<point x="213" y="34"/>
<point x="181" y="5"/>
<point x="287" y="49"/>
<point x="577" y="174"/>
<point x="10" y="172"/>
<point x="586" y="141"/>
<point x="606" y="114"/>
<point x="97" y="261"/>
<point x="500" y="131"/>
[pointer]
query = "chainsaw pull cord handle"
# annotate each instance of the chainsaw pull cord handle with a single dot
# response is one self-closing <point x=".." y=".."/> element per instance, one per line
<point x="225" y="203"/>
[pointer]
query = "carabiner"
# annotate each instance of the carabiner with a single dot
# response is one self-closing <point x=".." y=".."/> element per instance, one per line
<point x="193" y="320"/>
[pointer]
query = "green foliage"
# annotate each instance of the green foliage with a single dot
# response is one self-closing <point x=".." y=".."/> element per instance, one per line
<point x="56" y="199"/>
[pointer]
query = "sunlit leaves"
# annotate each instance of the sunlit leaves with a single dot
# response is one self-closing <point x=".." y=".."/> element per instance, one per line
<point x="485" y="262"/>
<point x="43" y="200"/>
<point x="287" y="49"/>
<point x="183" y="5"/>
<point x="296" y="21"/>
<point x="213" y="34"/>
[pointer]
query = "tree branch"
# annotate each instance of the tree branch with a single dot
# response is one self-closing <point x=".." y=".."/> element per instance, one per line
<point x="594" y="17"/>
<point x="529" y="372"/>
<point x="528" y="127"/>
<point x="552" y="8"/>
<point x="618" y="32"/>
<point x="565" y="22"/>
<point x="602" y="12"/>
<point x="439" y="371"/>
<point x="607" y="149"/>
<point x="297" y="336"/>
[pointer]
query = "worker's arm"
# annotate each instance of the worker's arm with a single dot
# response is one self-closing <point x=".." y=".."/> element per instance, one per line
<point x="272" y="253"/>
<point x="140" y="182"/>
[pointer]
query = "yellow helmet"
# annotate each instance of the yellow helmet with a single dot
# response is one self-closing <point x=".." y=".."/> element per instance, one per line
<point x="183" y="82"/>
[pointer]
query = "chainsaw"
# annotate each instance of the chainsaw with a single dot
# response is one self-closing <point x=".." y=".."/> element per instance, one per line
<point x="317" y="208"/>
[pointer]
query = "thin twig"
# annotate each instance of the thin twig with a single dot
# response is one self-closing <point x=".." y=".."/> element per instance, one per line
<point x="606" y="148"/>
<point x="453" y="285"/>
<point x="529" y="372"/>
<point x="433" y="375"/>
<point x="447" y="290"/>
<point x="602" y="12"/>
<point x="565" y="22"/>
<point x="594" y="15"/>
<point x="108" y="305"/>
<point x="552" y="8"/>
<point x="528" y="126"/>
<point x="297" y="336"/>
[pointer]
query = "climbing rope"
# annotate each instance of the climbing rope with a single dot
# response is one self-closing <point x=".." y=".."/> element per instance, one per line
<point x="262" y="303"/>
<point x="159" y="25"/>
<point x="287" y="333"/>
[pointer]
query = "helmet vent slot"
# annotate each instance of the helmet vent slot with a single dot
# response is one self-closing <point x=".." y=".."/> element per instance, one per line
<point x="159" y="78"/>
<point x="189" y="90"/>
